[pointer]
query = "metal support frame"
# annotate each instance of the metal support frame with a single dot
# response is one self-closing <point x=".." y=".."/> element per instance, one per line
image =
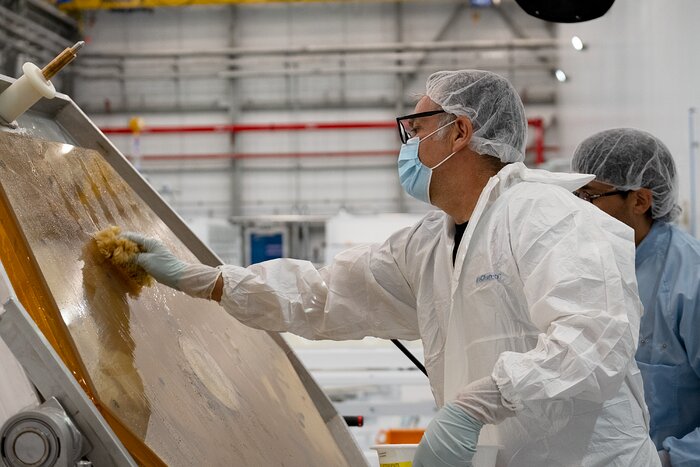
<point x="236" y="178"/>
<point x="510" y="22"/>
<point x="35" y="30"/>
<point x="519" y="33"/>
<point x="287" y="72"/>
<point x="692" y="158"/>
<point x="408" y="58"/>
<point x="401" y="86"/>
<point x="292" y="61"/>
<point x="53" y="13"/>
<point x="387" y="47"/>
<point x="543" y="98"/>
<point x="52" y="378"/>
<point x="44" y="436"/>
<point x="399" y="58"/>
<point x="32" y="32"/>
<point x="439" y="37"/>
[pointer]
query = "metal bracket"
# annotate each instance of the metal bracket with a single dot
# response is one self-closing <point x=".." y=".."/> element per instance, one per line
<point x="41" y="437"/>
<point x="12" y="124"/>
<point x="52" y="379"/>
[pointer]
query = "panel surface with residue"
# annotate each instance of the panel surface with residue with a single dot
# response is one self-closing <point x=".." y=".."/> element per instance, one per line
<point x="197" y="386"/>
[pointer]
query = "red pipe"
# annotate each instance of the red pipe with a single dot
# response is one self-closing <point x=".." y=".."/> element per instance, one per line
<point x="272" y="155"/>
<point x="545" y="148"/>
<point x="255" y="127"/>
<point x="284" y="155"/>
<point x="225" y="128"/>
<point x="538" y="125"/>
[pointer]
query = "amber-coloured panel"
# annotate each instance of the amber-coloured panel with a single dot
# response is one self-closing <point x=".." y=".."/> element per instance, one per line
<point x="177" y="373"/>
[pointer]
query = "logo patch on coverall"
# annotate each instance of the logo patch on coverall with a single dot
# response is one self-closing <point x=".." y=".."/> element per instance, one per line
<point x="491" y="276"/>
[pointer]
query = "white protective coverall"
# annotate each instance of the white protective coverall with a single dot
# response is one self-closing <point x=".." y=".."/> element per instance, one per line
<point x="542" y="297"/>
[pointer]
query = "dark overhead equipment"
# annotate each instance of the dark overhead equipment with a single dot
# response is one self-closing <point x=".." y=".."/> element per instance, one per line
<point x="566" y="11"/>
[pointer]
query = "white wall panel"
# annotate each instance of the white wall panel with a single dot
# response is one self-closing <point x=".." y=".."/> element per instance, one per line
<point x="164" y="28"/>
<point x="640" y="70"/>
<point x="337" y="23"/>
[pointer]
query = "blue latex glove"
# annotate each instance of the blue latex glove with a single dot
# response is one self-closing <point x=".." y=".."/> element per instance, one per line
<point x="157" y="260"/>
<point x="450" y="439"/>
<point x="685" y="451"/>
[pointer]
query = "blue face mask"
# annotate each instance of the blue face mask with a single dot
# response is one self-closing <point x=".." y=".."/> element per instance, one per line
<point x="414" y="176"/>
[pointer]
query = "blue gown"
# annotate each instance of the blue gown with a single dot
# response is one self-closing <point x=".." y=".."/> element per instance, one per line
<point x="668" y="273"/>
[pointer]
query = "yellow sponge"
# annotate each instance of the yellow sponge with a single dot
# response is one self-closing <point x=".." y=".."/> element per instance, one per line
<point x="120" y="252"/>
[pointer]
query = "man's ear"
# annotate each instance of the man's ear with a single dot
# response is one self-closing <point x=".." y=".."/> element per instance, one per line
<point x="643" y="200"/>
<point x="462" y="133"/>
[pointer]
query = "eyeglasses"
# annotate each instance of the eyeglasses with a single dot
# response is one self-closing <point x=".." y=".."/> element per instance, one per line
<point x="407" y="133"/>
<point x="584" y="195"/>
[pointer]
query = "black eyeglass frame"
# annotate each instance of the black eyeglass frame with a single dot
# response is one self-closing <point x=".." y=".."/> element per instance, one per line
<point x="584" y="195"/>
<point x="404" y="135"/>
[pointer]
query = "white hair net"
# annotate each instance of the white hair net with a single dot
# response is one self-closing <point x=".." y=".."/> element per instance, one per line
<point x="631" y="159"/>
<point x="492" y="105"/>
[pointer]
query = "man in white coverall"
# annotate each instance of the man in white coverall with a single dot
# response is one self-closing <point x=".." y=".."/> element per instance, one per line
<point x="524" y="296"/>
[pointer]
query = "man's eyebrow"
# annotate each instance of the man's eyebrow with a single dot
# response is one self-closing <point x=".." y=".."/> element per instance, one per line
<point x="413" y="123"/>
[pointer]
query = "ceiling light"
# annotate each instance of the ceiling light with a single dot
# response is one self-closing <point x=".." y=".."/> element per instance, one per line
<point x="560" y="75"/>
<point x="577" y="43"/>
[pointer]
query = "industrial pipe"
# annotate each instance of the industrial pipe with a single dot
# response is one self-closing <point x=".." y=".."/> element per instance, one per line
<point x="536" y="123"/>
<point x="363" y="69"/>
<point x="269" y="127"/>
<point x="267" y="155"/>
<point x="246" y="127"/>
<point x="39" y="35"/>
<point x="348" y="69"/>
<point x="476" y="45"/>
<point x="693" y="172"/>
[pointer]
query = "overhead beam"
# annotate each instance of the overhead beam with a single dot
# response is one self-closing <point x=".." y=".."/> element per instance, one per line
<point x="518" y="32"/>
<point x="446" y="27"/>
<point x="32" y="32"/>
<point x="76" y="5"/>
<point x="54" y="12"/>
<point x="388" y="104"/>
<point x="474" y="45"/>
